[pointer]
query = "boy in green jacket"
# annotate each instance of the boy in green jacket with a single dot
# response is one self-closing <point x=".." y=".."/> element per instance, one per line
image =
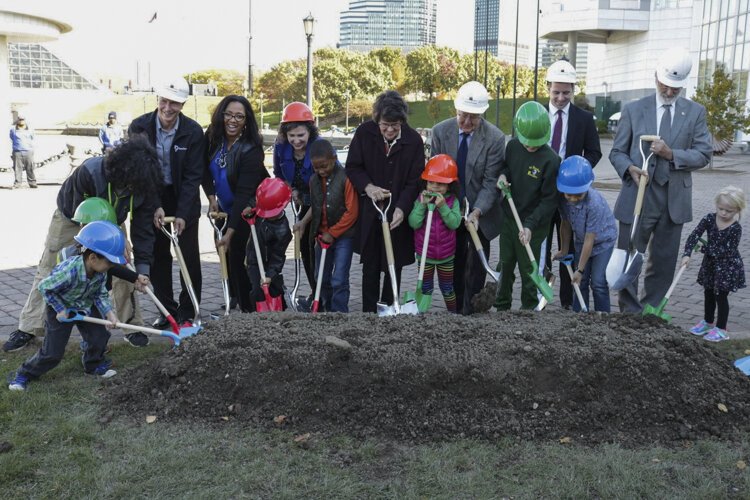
<point x="530" y="169"/>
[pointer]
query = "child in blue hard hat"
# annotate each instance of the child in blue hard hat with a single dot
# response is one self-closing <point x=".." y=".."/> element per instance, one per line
<point x="78" y="284"/>
<point x="586" y="215"/>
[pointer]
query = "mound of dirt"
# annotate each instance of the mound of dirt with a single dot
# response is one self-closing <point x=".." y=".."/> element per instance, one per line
<point x="549" y="375"/>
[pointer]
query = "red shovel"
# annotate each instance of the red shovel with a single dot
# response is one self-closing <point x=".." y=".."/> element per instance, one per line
<point x="270" y="303"/>
<point x="324" y="248"/>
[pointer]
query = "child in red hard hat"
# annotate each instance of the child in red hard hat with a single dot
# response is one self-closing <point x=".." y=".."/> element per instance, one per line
<point x="440" y="190"/>
<point x="274" y="235"/>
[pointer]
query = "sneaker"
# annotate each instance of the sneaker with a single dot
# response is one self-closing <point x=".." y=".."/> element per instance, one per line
<point x="104" y="370"/>
<point x="137" y="339"/>
<point x="716" y="335"/>
<point x="701" y="328"/>
<point x="32" y="186"/>
<point x="19" y="383"/>
<point x="160" y="323"/>
<point x="17" y="340"/>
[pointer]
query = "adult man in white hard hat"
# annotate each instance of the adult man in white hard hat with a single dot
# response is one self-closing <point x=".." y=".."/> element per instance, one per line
<point x="684" y="146"/>
<point x="573" y="133"/>
<point x="179" y="142"/>
<point x="478" y="148"/>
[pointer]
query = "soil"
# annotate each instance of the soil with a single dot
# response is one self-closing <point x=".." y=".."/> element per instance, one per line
<point x="533" y="376"/>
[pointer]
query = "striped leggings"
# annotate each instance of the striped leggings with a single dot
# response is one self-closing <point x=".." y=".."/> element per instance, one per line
<point x="445" y="280"/>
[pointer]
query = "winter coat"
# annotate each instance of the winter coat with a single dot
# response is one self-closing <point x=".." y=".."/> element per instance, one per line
<point x="398" y="172"/>
<point x="187" y="158"/>
<point x="245" y="171"/>
<point x="445" y="221"/>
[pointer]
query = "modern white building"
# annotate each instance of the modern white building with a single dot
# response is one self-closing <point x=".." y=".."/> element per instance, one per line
<point x="372" y="24"/>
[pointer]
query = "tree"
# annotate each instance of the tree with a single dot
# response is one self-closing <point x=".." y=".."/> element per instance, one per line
<point x="394" y="60"/>
<point x="281" y="82"/>
<point x="228" y="81"/>
<point x="725" y="111"/>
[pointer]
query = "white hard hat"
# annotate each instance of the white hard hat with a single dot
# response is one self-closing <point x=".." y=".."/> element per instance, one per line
<point x="561" y="72"/>
<point x="673" y="67"/>
<point x="176" y="90"/>
<point x="472" y="98"/>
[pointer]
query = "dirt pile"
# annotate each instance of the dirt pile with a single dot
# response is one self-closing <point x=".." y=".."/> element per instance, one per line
<point x="544" y="375"/>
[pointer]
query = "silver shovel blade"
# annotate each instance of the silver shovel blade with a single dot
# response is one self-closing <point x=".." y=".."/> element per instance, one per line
<point x="631" y="272"/>
<point x="410" y="307"/>
<point x="493" y="274"/>
<point x="616" y="266"/>
<point x="386" y="310"/>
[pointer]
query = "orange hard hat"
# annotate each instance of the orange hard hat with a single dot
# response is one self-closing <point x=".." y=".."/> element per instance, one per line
<point x="297" y="112"/>
<point x="272" y="197"/>
<point x="441" y="168"/>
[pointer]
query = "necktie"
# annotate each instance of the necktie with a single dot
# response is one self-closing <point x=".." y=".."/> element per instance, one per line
<point x="557" y="132"/>
<point x="463" y="151"/>
<point x="661" y="173"/>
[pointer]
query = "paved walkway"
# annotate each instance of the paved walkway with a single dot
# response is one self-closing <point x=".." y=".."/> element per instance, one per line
<point x="27" y="214"/>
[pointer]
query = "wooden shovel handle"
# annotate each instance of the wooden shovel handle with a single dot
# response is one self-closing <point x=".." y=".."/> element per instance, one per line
<point x="474" y="236"/>
<point x="122" y="326"/>
<point x="217" y="215"/>
<point x="639" y="198"/>
<point x="388" y="244"/>
<point x="169" y="219"/>
<point x="520" y="228"/>
<point x="650" y="138"/>
<point x="222" y="250"/>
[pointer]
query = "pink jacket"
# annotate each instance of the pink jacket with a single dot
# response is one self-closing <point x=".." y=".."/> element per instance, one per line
<point x="442" y="243"/>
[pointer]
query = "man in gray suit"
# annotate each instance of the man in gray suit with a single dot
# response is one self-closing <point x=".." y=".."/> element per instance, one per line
<point x="478" y="148"/>
<point x="684" y="146"/>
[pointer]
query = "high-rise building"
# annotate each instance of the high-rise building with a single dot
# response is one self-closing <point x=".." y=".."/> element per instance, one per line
<point x="554" y="50"/>
<point x="372" y="24"/>
<point x="495" y="31"/>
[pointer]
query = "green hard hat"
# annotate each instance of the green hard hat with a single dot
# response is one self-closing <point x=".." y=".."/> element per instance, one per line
<point x="92" y="209"/>
<point x="532" y="124"/>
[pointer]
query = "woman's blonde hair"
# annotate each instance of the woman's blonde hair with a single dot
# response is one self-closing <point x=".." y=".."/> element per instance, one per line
<point x="734" y="196"/>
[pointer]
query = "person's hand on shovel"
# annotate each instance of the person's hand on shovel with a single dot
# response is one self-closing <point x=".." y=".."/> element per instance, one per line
<point x="524" y="236"/>
<point x="685" y="261"/>
<point x="636" y="174"/>
<point x="225" y="240"/>
<point x="112" y="318"/>
<point x="660" y="148"/>
<point x="326" y="238"/>
<point x="141" y="283"/>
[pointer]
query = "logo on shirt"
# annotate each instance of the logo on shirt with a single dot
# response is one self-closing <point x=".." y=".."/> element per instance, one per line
<point x="533" y="172"/>
<point x="179" y="148"/>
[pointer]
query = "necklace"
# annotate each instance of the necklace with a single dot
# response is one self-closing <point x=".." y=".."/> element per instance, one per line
<point x="223" y="154"/>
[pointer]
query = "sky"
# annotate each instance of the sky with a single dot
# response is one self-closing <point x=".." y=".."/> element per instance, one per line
<point x="116" y="38"/>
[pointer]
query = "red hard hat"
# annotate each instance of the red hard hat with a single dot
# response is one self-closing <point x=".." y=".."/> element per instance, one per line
<point x="272" y="197"/>
<point x="297" y="112"/>
<point x="441" y="168"/>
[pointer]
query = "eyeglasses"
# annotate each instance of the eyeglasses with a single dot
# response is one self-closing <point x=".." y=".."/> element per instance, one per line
<point x="392" y="126"/>
<point x="239" y="117"/>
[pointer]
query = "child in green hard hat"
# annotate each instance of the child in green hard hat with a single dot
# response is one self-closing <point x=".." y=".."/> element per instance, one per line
<point x="530" y="169"/>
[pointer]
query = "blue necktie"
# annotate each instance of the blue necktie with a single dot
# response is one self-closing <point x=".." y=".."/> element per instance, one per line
<point x="463" y="150"/>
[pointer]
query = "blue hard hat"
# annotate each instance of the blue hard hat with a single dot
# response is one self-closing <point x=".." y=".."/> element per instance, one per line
<point x="575" y="175"/>
<point x="104" y="238"/>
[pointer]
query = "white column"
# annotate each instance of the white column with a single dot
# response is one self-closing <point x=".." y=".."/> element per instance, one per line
<point x="5" y="115"/>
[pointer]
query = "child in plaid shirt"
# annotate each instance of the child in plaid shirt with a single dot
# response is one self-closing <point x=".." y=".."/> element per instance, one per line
<point x="78" y="284"/>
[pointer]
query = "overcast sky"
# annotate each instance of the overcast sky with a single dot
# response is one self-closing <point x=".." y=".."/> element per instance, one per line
<point x="188" y="35"/>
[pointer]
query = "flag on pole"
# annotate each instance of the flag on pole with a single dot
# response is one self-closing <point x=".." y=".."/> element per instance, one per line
<point x="153" y="18"/>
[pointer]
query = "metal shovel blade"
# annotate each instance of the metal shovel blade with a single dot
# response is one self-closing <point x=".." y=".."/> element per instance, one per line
<point x="538" y="280"/>
<point x="649" y="310"/>
<point x="743" y="364"/>
<point x="386" y="309"/>
<point x="616" y="265"/>
<point x="632" y="271"/>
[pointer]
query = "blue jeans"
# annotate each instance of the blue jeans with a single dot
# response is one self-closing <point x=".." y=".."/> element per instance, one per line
<point x="334" y="290"/>
<point x="595" y="277"/>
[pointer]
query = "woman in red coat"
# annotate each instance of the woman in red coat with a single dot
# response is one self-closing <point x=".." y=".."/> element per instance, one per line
<point x="385" y="156"/>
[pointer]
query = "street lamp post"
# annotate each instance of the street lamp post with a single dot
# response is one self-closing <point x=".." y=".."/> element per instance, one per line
<point x="260" y="95"/>
<point x="309" y="23"/>
<point x="346" y="129"/>
<point x="498" y="82"/>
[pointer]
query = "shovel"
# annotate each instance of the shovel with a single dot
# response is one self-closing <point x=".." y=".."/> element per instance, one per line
<point x="541" y="285"/>
<point x="270" y="303"/>
<point x="743" y="364"/>
<point x="222" y="251"/>
<point x="658" y="311"/>
<point x="321" y="266"/>
<point x="163" y="310"/>
<point x="185" y="331"/>
<point x="297" y="305"/>
<point x="395" y="308"/>
<point x="568" y="260"/>
<point x="172" y="235"/>
<point x="625" y="266"/>
<point x="543" y="301"/>
<point x="478" y="244"/>
<point x="417" y="302"/>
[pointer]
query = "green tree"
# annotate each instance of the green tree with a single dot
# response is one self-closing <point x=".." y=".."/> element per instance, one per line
<point x="394" y="60"/>
<point x="725" y="111"/>
<point x="228" y="81"/>
<point x="282" y="82"/>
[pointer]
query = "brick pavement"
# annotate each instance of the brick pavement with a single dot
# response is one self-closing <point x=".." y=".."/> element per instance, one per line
<point x="23" y="238"/>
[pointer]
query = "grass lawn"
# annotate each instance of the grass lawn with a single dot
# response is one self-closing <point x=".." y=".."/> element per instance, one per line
<point x="56" y="441"/>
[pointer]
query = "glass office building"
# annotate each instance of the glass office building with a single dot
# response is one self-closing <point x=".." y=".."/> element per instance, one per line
<point x="372" y="24"/>
<point x="34" y="67"/>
